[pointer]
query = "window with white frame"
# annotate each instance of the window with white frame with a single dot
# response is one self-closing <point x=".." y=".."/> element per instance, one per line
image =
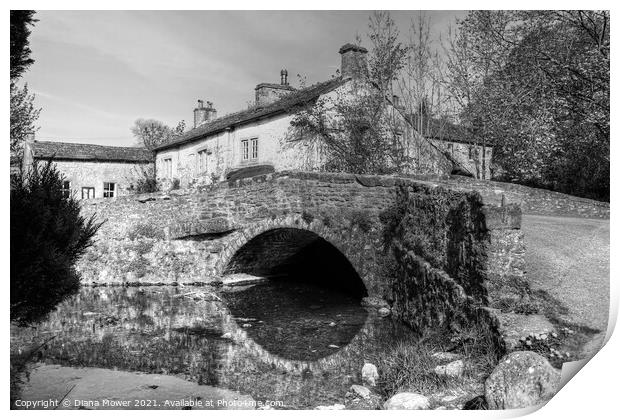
<point x="168" y="167"/>
<point x="66" y="189"/>
<point x="202" y="161"/>
<point x="88" y="192"/>
<point x="245" y="149"/>
<point x="249" y="149"/>
<point x="254" y="143"/>
<point x="109" y="189"/>
<point x="193" y="162"/>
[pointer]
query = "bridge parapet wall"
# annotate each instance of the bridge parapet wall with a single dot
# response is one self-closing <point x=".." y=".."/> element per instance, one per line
<point x="536" y="201"/>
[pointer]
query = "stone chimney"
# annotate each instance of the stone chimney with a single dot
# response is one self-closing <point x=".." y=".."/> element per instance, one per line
<point x="284" y="77"/>
<point x="353" y="61"/>
<point x="202" y="114"/>
<point x="267" y="93"/>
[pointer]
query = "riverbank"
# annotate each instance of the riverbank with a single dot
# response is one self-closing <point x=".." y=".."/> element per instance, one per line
<point x="248" y="344"/>
<point x="60" y="387"/>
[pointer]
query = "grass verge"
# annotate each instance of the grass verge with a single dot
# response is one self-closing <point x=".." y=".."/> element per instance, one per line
<point x="409" y="365"/>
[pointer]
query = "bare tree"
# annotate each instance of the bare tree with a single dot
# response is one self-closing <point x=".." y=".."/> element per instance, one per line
<point x="419" y="83"/>
<point x="151" y="133"/>
<point x="471" y="59"/>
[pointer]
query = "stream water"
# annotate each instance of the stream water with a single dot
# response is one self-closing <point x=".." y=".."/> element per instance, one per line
<point x="280" y="341"/>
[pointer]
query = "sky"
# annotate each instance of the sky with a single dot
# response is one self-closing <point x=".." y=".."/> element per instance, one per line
<point x="96" y="72"/>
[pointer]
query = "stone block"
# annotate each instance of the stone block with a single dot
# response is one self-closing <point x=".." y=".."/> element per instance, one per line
<point x="521" y="379"/>
<point x="407" y="401"/>
<point x="370" y="374"/>
<point x="511" y="327"/>
<point x="506" y="217"/>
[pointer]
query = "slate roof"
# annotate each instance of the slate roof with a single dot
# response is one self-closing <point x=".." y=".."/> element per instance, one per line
<point x="443" y="130"/>
<point x="286" y="104"/>
<point x="434" y="128"/>
<point x="89" y="152"/>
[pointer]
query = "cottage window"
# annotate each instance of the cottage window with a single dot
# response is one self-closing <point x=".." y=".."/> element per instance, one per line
<point x="168" y="167"/>
<point x="109" y="189"/>
<point x="254" y="148"/>
<point x="249" y="149"/>
<point x="88" y="192"/>
<point x="471" y="152"/>
<point x="66" y="189"/>
<point x="245" y="154"/>
<point x="193" y="163"/>
<point x="202" y="161"/>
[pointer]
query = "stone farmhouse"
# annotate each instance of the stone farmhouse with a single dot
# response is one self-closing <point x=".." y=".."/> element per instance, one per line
<point x="91" y="171"/>
<point x="256" y="140"/>
<point x="261" y="137"/>
<point x="469" y="158"/>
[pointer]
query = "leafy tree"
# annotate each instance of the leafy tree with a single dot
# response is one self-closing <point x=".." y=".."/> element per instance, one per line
<point x="23" y="111"/>
<point x="21" y="20"/>
<point x="353" y="130"/>
<point x="151" y="133"/>
<point x="48" y="235"/>
<point x="544" y="103"/>
<point x="24" y="115"/>
<point x="387" y="54"/>
<point x="356" y="129"/>
<point x="471" y="58"/>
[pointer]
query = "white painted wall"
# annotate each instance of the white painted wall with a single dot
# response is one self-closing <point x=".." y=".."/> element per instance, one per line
<point x="277" y="146"/>
<point x="225" y="152"/>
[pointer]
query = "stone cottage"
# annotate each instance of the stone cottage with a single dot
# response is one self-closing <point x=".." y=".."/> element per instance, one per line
<point x="260" y="136"/>
<point x="91" y="171"/>
<point x="469" y="158"/>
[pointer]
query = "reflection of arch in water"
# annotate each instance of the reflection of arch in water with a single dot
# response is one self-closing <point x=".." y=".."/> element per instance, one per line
<point x="297" y="321"/>
<point x="296" y="254"/>
<point x="248" y="349"/>
<point x="291" y="247"/>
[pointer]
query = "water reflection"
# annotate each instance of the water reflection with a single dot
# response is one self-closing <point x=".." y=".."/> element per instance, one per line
<point x="297" y="321"/>
<point x="276" y="341"/>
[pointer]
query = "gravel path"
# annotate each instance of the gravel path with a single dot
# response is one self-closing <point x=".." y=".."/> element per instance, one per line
<point x="569" y="259"/>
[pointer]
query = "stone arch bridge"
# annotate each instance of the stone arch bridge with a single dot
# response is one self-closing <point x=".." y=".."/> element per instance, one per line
<point x="428" y="250"/>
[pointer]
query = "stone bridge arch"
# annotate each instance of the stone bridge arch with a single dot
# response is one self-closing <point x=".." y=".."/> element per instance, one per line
<point x="352" y="247"/>
<point x="471" y="252"/>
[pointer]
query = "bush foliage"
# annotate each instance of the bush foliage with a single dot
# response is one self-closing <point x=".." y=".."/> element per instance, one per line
<point x="48" y="235"/>
<point x="444" y="228"/>
<point x="145" y="230"/>
<point x="145" y="180"/>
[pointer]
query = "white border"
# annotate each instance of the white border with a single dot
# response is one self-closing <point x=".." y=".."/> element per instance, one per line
<point x="592" y="394"/>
